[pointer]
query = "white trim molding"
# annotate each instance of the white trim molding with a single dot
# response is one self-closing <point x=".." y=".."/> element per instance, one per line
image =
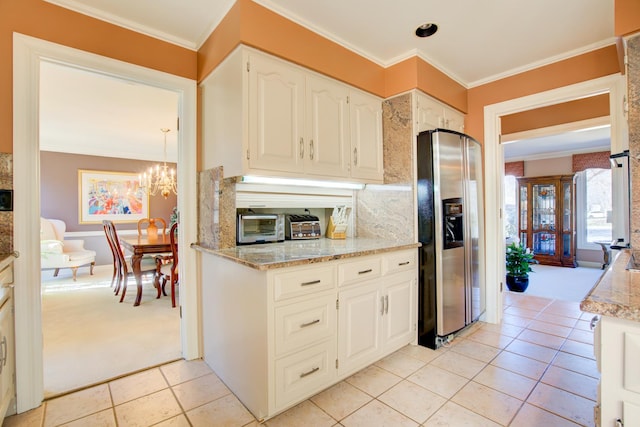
<point x="494" y="159"/>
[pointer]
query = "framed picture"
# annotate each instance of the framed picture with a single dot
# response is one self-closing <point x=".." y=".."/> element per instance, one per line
<point x="115" y="196"/>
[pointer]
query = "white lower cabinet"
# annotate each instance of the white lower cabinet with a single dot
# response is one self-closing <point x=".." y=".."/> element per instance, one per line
<point x="375" y="318"/>
<point x="304" y="373"/>
<point x="7" y="351"/>
<point x="279" y="336"/>
<point x="360" y="327"/>
<point x="620" y="372"/>
<point x="398" y="320"/>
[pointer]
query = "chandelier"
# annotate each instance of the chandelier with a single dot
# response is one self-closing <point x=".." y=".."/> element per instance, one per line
<point x="160" y="179"/>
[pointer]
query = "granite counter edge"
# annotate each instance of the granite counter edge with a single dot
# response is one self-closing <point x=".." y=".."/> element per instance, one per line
<point x="596" y="305"/>
<point x="303" y="261"/>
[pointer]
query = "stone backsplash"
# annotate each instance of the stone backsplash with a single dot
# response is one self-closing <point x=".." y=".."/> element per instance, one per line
<point x="633" y="81"/>
<point x="6" y="217"/>
<point x="216" y="210"/>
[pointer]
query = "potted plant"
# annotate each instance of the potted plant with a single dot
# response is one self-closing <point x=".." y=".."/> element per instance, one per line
<point x="519" y="260"/>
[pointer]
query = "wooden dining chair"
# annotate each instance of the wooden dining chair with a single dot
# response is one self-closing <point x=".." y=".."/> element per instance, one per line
<point x="169" y="272"/>
<point x="106" y="225"/>
<point x="151" y="226"/>
<point x="147" y="265"/>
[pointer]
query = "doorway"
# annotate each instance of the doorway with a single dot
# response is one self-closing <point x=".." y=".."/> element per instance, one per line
<point x="28" y="52"/>
<point x="494" y="174"/>
<point x="561" y="236"/>
<point x="90" y="122"/>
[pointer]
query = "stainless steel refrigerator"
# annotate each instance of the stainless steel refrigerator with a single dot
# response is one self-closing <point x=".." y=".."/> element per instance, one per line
<point x="451" y="229"/>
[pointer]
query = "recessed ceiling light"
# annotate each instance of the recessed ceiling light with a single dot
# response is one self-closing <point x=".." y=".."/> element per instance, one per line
<point x="426" y="30"/>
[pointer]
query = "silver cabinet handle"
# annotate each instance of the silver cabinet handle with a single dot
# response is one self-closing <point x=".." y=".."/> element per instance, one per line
<point x="355" y="156"/>
<point x="593" y="322"/>
<point x="386" y="304"/>
<point x="400" y="264"/>
<point x="365" y="271"/>
<point x="301" y="148"/>
<point x="311" y="150"/>
<point x="381" y="306"/>
<point x="314" y="370"/>
<point x="313" y="322"/>
<point x="313" y="282"/>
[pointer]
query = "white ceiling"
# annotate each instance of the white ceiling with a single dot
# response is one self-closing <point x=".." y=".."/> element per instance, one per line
<point x="477" y="41"/>
<point x="559" y="144"/>
<point x="88" y="113"/>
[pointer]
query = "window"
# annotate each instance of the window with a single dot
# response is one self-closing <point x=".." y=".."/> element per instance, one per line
<point x="593" y="207"/>
<point x="510" y="207"/>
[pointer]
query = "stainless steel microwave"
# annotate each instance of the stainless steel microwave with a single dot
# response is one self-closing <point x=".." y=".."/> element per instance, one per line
<point x="260" y="228"/>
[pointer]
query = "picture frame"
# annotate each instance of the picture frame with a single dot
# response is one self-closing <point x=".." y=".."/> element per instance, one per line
<point x="114" y="196"/>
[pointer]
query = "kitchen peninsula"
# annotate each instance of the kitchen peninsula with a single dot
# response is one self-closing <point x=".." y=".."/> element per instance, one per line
<point x="616" y="297"/>
<point x="283" y="321"/>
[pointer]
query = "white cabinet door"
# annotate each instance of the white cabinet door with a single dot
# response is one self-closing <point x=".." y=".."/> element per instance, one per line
<point x="359" y="327"/>
<point x="7" y="363"/>
<point x="366" y="137"/>
<point x="453" y="120"/>
<point x="327" y="128"/>
<point x="398" y="320"/>
<point x="429" y="113"/>
<point x="276" y="123"/>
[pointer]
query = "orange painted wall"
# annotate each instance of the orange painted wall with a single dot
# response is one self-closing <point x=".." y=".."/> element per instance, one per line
<point x="415" y="73"/>
<point x="567" y="112"/>
<point x="45" y="21"/>
<point x="627" y="17"/>
<point x="591" y="65"/>
<point x="254" y="25"/>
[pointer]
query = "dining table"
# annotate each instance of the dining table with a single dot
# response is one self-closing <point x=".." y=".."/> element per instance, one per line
<point x="143" y="245"/>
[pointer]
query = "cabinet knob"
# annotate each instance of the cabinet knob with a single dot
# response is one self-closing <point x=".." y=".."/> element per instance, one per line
<point x="301" y="148"/>
<point x="355" y="156"/>
<point x="311" y="151"/>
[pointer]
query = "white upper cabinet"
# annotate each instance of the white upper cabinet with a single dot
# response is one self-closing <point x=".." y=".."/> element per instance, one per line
<point x="276" y="100"/>
<point x="327" y="126"/>
<point x="265" y="116"/>
<point x="432" y="114"/>
<point x="366" y="136"/>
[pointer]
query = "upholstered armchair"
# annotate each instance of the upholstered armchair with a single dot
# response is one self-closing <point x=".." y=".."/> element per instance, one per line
<point x="57" y="253"/>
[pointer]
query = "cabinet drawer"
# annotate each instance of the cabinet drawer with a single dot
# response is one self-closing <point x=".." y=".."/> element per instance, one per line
<point x="304" y="373"/>
<point x="357" y="271"/>
<point x="399" y="261"/>
<point x="301" y="324"/>
<point x="303" y="282"/>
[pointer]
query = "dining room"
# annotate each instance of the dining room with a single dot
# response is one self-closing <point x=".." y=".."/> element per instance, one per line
<point x="83" y="319"/>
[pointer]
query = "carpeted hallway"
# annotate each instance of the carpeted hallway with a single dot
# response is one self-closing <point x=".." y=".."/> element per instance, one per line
<point x="89" y="337"/>
<point x="562" y="283"/>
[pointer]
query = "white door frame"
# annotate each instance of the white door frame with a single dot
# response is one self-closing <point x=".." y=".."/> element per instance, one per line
<point x="494" y="171"/>
<point x="28" y="52"/>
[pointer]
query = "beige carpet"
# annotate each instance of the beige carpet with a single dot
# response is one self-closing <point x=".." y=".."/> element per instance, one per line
<point x="563" y="283"/>
<point x="89" y="337"/>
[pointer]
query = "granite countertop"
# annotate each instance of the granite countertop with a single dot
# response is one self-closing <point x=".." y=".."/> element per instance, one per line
<point x="300" y="252"/>
<point x="617" y="293"/>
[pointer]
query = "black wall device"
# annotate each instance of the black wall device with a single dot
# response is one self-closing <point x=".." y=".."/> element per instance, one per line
<point x="6" y="200"/>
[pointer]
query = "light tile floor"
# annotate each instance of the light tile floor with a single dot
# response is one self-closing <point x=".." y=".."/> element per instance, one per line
<point x="534" y="369"/>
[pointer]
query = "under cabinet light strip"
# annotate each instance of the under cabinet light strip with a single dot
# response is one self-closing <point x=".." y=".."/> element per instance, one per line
<point x="301" y="182"/>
